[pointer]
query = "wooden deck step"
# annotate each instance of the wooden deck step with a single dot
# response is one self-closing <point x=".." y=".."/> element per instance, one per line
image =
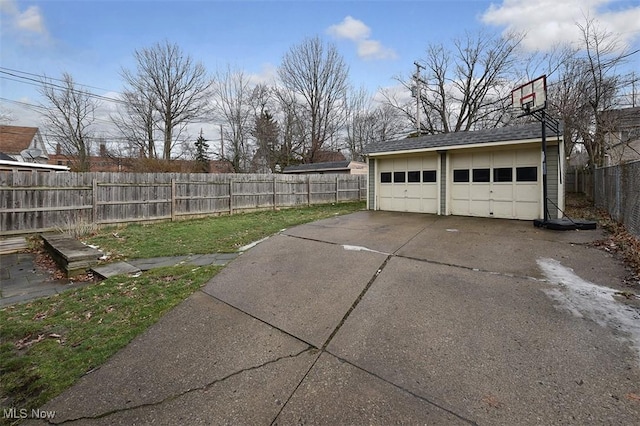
<point x="70" y="254"/>
<point x="13" y="245"/>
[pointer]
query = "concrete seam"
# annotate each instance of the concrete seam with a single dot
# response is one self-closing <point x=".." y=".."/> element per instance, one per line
<point x="311" y="345"/>
<point x="293" y="392"/>
<point x="469" y="268"/>
<point x="415" y="395"/>
<point x="356" y="302"/>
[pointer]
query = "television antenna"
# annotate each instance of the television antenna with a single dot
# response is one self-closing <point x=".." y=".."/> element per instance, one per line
<point x="31" y="153"/>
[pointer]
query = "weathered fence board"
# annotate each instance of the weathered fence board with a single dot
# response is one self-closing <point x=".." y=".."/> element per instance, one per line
<point x="36" y="201"/>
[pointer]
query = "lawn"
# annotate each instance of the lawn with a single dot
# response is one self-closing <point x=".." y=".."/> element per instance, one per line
<point x="48" y="344"/>
<point x="223" y="234"/>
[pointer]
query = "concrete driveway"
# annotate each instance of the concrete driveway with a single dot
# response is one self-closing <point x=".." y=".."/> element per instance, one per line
<point x="380" y="318"/>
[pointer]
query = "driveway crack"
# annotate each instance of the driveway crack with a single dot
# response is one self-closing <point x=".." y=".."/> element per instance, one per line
<point x="356" y="302"/>
<point x="187" y="391"/>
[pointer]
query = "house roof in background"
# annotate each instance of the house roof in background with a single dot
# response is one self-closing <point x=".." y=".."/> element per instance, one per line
<point x="624" y="118"/>
<point x="14" y="139"/>
<point x="454" y="139"/>
<point x="330" y="165"/>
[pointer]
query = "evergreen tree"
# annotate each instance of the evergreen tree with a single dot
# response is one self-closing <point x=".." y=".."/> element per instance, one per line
<point x="202" y="158"/>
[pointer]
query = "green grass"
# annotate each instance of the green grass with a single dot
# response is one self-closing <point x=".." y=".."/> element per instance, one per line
<point x="223" y="234"/>
<point x="48" y="344"/>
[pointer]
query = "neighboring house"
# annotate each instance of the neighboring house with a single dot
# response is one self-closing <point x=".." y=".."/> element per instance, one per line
<point x="333" y="167"/>
<point x="622" y="141"/>
<point x="22" y="166"/>
<point x="106" y="162"/>
<point x="22" y="144"/>
<point x="488" y="173"/>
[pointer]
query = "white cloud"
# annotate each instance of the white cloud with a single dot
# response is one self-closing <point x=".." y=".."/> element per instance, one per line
<point x="267" y="75"/>
<point x="351" y="29"/>
<point x="31" y="20"/>
<point x="8" y="6"/>
<point x="24" y="24"/>
<point x="358" y="32"/>
<point x="550" y="22"/>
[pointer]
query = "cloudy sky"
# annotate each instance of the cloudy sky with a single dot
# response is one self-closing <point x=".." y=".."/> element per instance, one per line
<point x="94" y="39"/>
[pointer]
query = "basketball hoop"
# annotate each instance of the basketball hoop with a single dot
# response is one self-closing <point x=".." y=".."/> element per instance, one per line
<point x="531" y="96"/>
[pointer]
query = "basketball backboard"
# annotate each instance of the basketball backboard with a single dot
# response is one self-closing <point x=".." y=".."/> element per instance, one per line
<point x="531" y="96"/>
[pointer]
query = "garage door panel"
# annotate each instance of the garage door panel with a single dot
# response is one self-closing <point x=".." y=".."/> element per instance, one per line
<point x="505" y="198"/>
<point x="481" y="160"/>
<point x="480" y="192"/>
<point x="527" y="211"/>
<point x="409" y="196"/>
<point x="502" y="192"/>
<point x="480" y="208"/>
<point x="527" y="193"/>
<point x="503" y="209"/>
<point x="503" y="159"/>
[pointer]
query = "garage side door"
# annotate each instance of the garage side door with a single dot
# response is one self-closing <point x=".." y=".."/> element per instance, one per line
<point x="504" y="184"/>
<point x="408" y="184"/>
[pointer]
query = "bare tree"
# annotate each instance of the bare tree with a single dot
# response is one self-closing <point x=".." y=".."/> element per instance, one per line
<point x="137" y="120"/>
<point x="588" y="89"/>
<point x="69" y="116"/>
<point x="294" y="133"/>
<point x="232" y="105"/>
<point x="265" y="130"/>
<point x="464" y="88"/>
<point x="174" y="84"/>
<point x="6" y="116"/>
<point x="317" y="74"/>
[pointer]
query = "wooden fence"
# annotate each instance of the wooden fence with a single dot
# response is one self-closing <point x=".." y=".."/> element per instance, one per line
<point x="37" y="201"/>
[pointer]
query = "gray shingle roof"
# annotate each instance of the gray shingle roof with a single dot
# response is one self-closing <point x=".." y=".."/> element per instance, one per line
<point x="332" y="165"/>
<point x="445" y="140"/>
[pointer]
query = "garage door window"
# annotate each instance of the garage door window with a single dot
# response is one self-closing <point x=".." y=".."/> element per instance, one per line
<point x="428" y="176"/>
<point x="526" y="174"/>
<point x="413" y="176"/>
<point x="461" y="175"/>
<point x="385" y="177"/>
<point x="481" y="175"/>
<point x="399" y="177"/>
<point x="503" y="174"/>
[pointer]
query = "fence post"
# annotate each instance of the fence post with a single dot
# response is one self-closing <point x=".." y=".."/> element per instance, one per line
<point x="308" y="190"/>
<point x="94" y="193"/>
<point x="230" y="197"/>
<point x="337" y="186"/>
<point x="173" y="199"/>
<point x="274" y="193"/>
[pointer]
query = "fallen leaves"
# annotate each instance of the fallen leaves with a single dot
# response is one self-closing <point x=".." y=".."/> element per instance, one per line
<point x="30" y="340"/>
<point x="492" y="401"/>
<point x="633" y="396"/>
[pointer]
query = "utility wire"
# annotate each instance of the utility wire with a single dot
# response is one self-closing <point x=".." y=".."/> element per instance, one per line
<point x="45" y="82"/>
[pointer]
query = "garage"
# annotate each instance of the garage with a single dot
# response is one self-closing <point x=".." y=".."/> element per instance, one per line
<point x="487" y="173"/>
<point x="502" y="183"/>
<point x="409" y="184"/>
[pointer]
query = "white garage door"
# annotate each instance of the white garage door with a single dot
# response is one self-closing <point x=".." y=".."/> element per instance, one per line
<point x="504" y="184"/>
<point x="408" y="184"/>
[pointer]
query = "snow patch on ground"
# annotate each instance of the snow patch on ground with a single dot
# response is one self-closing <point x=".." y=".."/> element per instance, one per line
<point x="360" y="248"/>
<point x="585" y="299"/>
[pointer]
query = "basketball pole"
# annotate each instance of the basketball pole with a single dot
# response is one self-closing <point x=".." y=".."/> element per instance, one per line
<point x="544" y="166"/>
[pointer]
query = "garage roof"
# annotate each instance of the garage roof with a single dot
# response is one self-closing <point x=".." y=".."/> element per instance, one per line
<point x="531" y="131"/>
